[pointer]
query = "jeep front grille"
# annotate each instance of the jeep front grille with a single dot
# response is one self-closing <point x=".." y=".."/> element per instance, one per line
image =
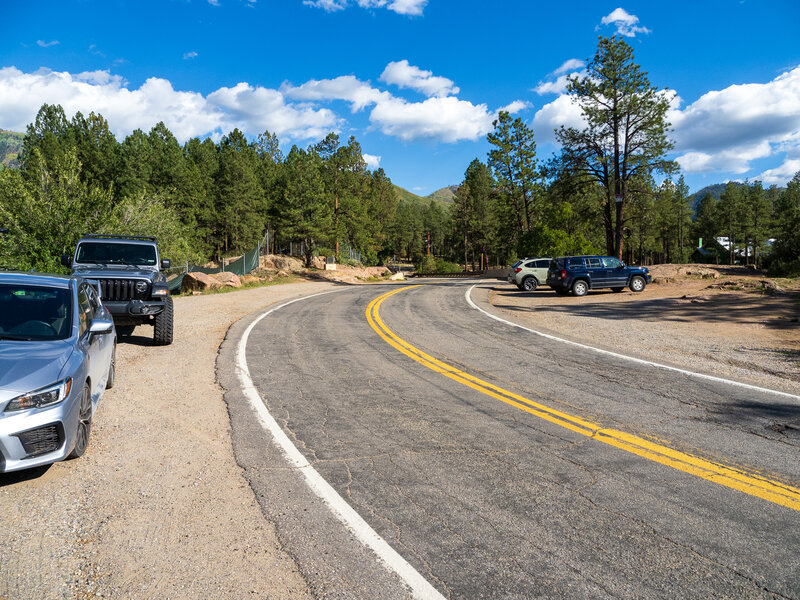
<point x="123" y="289"/>
<point x="41" y="440"/>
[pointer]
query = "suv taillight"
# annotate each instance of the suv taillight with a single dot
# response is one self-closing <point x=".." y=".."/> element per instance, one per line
<point x="563" y="274"/>
<point x="517" y="270"/>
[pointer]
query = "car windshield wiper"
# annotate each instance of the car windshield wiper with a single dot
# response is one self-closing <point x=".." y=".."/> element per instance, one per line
<point x="16" y="338"/>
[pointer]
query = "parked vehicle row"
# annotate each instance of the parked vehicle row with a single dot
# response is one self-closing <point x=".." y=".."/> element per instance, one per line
<point x="58" y="343"/>
<point x="578" y="274"/>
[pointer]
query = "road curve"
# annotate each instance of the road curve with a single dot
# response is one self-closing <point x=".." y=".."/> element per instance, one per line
<point x="486" y="500"/>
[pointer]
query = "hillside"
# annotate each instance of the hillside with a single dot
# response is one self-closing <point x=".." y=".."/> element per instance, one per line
<point x="445" y="194"/>
<point x="405" y="196"/>
<point x="715" y="190"/>
<point x="10" y="147"/>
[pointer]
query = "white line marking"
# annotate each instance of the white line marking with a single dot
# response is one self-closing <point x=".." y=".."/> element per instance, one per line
<point x="420" y="587"/>
<point x="630" y="358"/>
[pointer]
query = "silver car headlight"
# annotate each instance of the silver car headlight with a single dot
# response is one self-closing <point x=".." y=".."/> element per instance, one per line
<point x="44" y="397"/>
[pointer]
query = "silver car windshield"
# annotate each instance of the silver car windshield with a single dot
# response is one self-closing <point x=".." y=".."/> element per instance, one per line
<point x="34" y="313"/>
<point x="108" y="253"/>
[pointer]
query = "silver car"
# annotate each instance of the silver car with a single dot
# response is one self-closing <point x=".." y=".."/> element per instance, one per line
<point x="529" y="273"/>
<point x="57" y="355"/>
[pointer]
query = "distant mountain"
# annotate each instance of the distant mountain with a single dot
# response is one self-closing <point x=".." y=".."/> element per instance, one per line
<point x="715" y="190"/>
<point x="405" y="196"/>
<point x="444" y="195"/>
<point x="10" y="147"/>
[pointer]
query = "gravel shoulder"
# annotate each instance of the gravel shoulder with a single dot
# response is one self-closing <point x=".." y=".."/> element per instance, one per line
<point x="157" y="507"/>
<point x="726" y="327"/>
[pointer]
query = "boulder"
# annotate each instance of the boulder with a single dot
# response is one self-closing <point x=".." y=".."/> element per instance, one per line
<point x="226" y="278"/>
<point x="198" y="282"/>
<point x="397" y="277"/>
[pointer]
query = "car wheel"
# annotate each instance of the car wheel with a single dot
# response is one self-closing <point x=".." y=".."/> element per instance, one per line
<point x="580" y="287"/>
<point x="162" y="331"/>
<point x="529" y="284"/>
<point x="637" y="284"/>
<point x="112" y="369"/>
<point x="617" y="289"/>
<point x="84" y="423"/>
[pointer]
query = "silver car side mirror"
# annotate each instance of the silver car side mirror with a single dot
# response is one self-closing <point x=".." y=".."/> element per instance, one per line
<point x="101" y="326"/>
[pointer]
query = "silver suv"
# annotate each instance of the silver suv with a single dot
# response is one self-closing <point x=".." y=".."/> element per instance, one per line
<point x="132" y="285"/>
<point x="529" y="273"/>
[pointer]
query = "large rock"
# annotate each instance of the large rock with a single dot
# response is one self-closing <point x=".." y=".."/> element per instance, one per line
<point x="198" y="282"/>
<point x="226" y="278"/>
<point x="274" y="262"/>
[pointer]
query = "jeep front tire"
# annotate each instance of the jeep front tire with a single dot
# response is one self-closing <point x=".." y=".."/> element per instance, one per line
<point x="162" y="328"/>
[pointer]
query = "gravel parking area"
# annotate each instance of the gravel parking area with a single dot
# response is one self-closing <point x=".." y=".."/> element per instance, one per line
<point x="722" y="327"/>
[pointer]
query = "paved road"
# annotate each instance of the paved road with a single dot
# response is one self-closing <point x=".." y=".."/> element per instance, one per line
<point x="490" y="500"/>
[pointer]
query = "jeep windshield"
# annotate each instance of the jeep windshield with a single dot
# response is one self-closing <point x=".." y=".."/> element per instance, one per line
<point x="114" y="253"/>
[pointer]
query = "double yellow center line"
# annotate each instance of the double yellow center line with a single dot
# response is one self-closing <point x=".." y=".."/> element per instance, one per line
<point x="737" y="479"/>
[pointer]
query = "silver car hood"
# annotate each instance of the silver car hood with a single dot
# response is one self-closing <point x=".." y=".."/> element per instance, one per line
<point x="28" y="366"/>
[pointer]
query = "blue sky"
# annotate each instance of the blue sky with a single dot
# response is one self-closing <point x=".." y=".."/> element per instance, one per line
<point x="418" y="82"/>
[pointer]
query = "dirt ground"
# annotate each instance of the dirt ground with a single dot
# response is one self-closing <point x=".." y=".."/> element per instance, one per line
<point x="158" y="507"/>
<point x="725" y="321"/>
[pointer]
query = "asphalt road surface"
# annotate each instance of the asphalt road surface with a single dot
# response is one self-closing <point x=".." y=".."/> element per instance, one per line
<point x="500" y="464"/>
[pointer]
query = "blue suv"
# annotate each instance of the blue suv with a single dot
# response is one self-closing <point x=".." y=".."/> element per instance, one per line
<point x="579" y="274"/>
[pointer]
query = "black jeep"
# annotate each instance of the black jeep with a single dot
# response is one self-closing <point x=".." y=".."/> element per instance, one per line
<point x="579" y="274"/>
<point x="132" y="285"/>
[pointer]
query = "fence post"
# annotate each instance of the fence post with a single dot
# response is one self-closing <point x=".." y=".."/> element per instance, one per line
<point x="223" y="265"/>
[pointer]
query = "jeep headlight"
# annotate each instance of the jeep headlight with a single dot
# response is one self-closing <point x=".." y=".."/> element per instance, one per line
<point x="41" y="398"/>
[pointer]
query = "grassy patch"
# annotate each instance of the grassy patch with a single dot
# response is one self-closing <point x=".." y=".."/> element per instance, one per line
<point x="247" y="286"/>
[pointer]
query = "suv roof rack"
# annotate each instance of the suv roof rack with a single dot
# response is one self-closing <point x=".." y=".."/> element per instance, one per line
<point x="119" y="237"/>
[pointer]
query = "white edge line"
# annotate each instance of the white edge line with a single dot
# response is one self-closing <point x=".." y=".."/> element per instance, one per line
<point x="420" y="587"/>
<point x="630" y="358"/>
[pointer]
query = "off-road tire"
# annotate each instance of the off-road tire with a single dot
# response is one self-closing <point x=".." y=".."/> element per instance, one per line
<point x="529" y="284"/>
<point x="162" y="328"/>
<point x="84" y="427"/>
<point x="637" y="284"/>
<point x="580" y="288"/>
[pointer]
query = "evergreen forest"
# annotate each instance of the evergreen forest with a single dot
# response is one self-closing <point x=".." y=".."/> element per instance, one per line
<point x="611" y="190"/>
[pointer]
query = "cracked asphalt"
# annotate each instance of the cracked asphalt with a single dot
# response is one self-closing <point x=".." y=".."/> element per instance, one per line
<point x="485" y="500"/>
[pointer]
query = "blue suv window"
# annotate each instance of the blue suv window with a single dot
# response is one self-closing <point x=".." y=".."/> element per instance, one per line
<point x="594" y="263"/>
<point x="575" y="262"/>
<point x="612" y="263"/>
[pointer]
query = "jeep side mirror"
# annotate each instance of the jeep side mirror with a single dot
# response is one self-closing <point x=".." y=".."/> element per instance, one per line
<point x="165" y="263"/>
<point x="66" y="260"/>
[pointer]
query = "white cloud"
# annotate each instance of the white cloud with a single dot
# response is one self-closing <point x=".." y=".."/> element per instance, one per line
<point x="724" y="130"/>
<point x="404" y="75"/>
<point x="189" y="55"/>
<point x="346" y="87"/>
<point x="561" y="111"/>
<point x="44" y="44"/>
<point x="401" y="7"/>
<point x="782" y="174"/>
<point x="515" y="107"/>
<point x="213" y="2"/>
<point x="446" y="119"/>
<point x="569" y="68"/>
<point x="625" y="22"/>
<point x="186" y="114"/>
<point x="571" y="65"/>
<point x="373" y="162"/>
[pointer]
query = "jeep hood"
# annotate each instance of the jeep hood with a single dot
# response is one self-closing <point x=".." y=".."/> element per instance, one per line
<point x="116" y="271"/>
